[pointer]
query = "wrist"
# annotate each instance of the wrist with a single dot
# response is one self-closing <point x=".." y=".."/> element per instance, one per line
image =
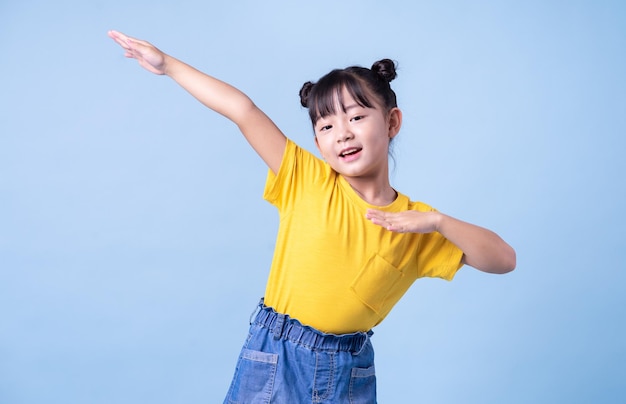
<point x="169" y="65"/>
<point x="438" y="220"/>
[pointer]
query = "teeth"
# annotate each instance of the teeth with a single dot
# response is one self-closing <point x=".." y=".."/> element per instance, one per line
<point x="349" y="152"/>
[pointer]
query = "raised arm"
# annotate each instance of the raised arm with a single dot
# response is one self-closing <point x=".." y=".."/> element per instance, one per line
<point x="482" y="248"/>
<point x="262" y="134"/>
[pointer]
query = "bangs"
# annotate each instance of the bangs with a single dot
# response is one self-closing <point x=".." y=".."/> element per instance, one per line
<point x="328" y="95"/>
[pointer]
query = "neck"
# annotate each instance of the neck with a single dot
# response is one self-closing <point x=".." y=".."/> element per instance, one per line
<point x="375" y="193"/>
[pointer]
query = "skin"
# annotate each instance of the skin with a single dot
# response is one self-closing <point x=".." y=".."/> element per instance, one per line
<point x="365" y="130"/>
<point x="258" y="129"/>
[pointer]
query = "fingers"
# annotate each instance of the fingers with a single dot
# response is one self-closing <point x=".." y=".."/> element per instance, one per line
<point x="123" y="41"/>
<point x="148" y="56"/>
<point x="129" y="44"/>
<point x="379" y="215"/>
<point x="401" y="222"/>
<point x="374" y="213"/>
<point x="384" y="219"/>
<point x="120" y="38"/>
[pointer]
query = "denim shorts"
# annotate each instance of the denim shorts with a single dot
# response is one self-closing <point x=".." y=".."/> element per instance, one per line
<point x="285" y="362"/>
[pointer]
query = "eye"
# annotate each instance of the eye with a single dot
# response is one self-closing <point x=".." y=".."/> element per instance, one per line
<point x="325" y="128"/>
<point x="357" y="118"/>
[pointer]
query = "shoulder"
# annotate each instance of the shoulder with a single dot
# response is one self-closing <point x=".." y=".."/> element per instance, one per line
<point x="301" y="159"/>
<point x="295" y="151"/>
<point x="298" y="167"/>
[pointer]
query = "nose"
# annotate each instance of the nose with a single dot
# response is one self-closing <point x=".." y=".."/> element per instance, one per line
<point x="344" y="133"/>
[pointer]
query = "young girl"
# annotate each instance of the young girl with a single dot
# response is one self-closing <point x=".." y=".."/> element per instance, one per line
<point x="348" y="244"/>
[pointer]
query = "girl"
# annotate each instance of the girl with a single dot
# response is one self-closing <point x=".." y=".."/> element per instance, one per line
<point x="348" y="244"/>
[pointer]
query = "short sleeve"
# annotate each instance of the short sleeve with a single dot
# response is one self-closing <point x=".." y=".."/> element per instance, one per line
<point x="438" y="257"/>
<point x="274" y="183"/>
<point x="299" y="170"/>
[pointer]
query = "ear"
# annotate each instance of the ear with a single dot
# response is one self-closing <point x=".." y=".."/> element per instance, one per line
<point x="395" y="122"/>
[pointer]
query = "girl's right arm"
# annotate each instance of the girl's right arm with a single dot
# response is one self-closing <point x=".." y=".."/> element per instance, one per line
<point x="262" y="134"/>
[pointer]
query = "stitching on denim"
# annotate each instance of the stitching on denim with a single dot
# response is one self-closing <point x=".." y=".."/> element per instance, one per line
<point x="331" y="383"/>
<point x="352" y="394"/>
<point x="270" y="389"/>
<point x="350" y="389"/>
<point x="330" y="388"/>
<point x="315" y="398"/>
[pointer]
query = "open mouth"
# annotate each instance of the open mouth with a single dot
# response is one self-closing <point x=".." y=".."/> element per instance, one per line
<point x="349" y="152"/>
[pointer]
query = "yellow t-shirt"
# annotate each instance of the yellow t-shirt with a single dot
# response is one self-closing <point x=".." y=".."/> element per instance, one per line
<point x="332" y="268"/>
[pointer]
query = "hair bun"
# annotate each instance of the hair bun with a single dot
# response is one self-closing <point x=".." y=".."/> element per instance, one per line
<point x="386" y="69"/>
<point x="305" y="91"/>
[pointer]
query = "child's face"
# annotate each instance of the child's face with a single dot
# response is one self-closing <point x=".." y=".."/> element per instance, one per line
<point x="356" y="142"/>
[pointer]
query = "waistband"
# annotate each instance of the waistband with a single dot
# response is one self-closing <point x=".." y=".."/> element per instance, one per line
<point x="285" y="327"/>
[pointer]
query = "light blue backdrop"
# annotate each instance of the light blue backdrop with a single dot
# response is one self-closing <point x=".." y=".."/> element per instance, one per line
<point x="134" y="242"/>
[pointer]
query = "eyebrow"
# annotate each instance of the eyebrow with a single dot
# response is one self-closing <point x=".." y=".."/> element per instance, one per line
<point x="351" y="106"/>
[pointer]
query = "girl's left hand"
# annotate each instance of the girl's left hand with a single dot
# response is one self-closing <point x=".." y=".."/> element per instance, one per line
<point x="409" y="221"/>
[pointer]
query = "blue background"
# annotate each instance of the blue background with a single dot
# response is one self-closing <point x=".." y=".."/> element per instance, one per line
<point x="134" y="242"/>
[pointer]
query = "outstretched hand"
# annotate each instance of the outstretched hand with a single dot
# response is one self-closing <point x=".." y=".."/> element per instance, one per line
<point x="409" y="221"/>
<point x="148" y="56"/>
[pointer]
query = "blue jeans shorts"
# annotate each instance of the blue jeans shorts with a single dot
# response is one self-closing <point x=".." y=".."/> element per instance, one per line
<point x="285" y="362"/>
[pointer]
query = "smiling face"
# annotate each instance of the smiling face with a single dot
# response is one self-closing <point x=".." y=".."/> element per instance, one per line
<point x="354" y="139"/>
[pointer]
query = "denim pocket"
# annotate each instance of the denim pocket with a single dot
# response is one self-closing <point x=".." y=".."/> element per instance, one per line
<point x="363" y="385"/>
<point x="374" y="283"/>
<point x="254" y="377"/>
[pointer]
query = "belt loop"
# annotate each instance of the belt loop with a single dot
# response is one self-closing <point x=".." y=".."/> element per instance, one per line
<point x="278" y="327"/>
<point x="365" y="341"/>
<point x="256" y="311"/>
<point x="254" y="314"/>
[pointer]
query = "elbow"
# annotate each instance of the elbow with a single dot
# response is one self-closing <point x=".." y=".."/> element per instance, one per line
<point x="502" y="263"/>
<point x="500" y="259"/>
<point x="509" y="262"/>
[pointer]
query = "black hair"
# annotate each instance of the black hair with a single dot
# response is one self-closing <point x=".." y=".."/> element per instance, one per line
<point x="361" y="83"/>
